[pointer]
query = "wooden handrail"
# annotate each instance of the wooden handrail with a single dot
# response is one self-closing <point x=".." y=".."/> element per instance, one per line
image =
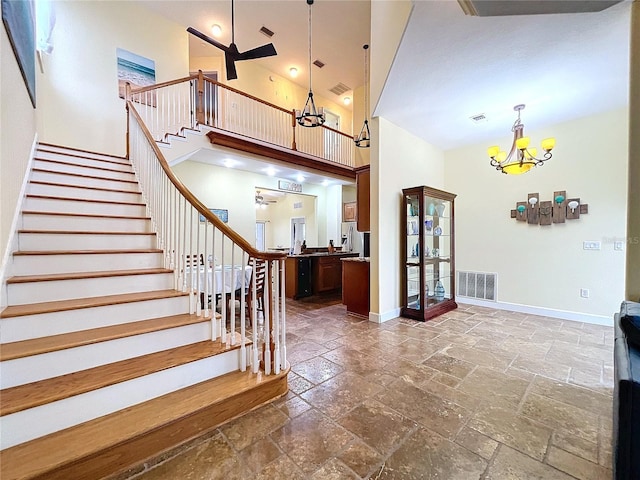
<point x="244" y="94"/>
<point x="197" y="204"/>
<point x="155" y="86"/>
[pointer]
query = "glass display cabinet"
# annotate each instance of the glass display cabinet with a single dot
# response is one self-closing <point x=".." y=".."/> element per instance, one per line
<point x="428" y="253"/>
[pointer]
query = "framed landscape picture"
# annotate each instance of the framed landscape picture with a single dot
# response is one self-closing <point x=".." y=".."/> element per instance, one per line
<point x="18" y="19"/>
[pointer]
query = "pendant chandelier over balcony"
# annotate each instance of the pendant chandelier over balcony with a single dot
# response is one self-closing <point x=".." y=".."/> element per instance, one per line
<point x="363" y="140"/>
<point x="310" y="116"/>
<point x="525" y="157"/>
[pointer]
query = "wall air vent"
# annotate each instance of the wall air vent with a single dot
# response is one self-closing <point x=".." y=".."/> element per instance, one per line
<point x="264" y="30"/>
<point x="339" y="89"/>
<point x="480" y="117"/>
<point x="483" y="286"/>
<point x="319" y="63"/>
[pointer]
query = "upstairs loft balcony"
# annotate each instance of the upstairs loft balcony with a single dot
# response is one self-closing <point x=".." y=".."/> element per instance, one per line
<point x="235" y="119"/>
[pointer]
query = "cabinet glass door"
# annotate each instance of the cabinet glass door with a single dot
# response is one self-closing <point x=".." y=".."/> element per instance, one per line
<point x="413" y="246"/>
<point x="437" y="250"/>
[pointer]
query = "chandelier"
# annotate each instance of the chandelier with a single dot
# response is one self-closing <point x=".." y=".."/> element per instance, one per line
<point x="310" y="116"/>
<point x="521" y="158"/>
<point x="363" y="140"/>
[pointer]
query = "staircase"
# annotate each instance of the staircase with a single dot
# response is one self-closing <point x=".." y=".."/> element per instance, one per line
<point x="102" y="366"/>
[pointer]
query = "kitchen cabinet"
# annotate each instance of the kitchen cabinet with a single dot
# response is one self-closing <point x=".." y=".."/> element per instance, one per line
<point x="313" y="273"/>
<point x="355" y="286"/>
<point x="362" y="197"/>
<point x="428" y="255"/>
<point x="328" y="273"/>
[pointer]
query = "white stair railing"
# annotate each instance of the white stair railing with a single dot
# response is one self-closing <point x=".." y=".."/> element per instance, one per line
<point x="210" y="261"/>
<point x="171" y="107"/>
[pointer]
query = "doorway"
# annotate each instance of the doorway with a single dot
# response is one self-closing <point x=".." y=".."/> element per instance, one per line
<point x="261" y="235"/>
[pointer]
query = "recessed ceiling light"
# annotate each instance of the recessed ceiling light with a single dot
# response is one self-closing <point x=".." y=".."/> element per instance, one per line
<point x="293" y="71"/>
<point x="270" y="171"/>
<point x="230" y="162"/>
<point x="216" y="30"/>
<point x="325" y="183"/>
<point x="300" y="178"/>
<point x="347" y="100"/>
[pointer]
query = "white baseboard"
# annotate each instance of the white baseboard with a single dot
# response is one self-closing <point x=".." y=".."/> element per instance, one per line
<point x="384" y="317"/>
<point x="546" y="312"/>
<point x="12" y="243"/>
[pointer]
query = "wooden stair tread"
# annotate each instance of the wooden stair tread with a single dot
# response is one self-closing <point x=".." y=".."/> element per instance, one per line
<point x="83" y="232"/>
<point x="83" y="175"/>
<point x="89" y="302"/>
<point x="52" y="343"/>
<point x="80" y="275"/>
<point x="80" y="150"/>
<point x="88" y="200"/>
<point x="84" y="187"/>
<point x="87" y="215"/>
<point x="36" y="457"/>
<point x="76" y="164"/>
<point x="34" y="394"/>
<point x="84" y="252"/>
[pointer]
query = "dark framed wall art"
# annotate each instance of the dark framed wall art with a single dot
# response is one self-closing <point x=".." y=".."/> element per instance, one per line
<point x="18" y="19"/>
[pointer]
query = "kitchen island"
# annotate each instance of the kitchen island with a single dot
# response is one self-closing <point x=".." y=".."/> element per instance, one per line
<point x="355" y="278"/>
<point x="314" y="273"/>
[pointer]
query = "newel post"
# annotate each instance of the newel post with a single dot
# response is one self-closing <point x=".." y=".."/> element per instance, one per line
<point x="127" y="97"/>
<point x="293" y="126"/>
<point x="199" y="106"/>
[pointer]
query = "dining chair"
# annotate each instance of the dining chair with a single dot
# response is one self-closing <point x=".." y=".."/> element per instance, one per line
<point x="259" y="269"/>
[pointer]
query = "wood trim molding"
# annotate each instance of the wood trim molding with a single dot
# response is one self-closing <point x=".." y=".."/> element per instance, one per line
<point x="282" y="154"/>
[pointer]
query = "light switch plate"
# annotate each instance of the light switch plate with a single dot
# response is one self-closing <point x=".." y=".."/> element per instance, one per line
<point x="618" y="245"/>
<point x="591" y="245"/>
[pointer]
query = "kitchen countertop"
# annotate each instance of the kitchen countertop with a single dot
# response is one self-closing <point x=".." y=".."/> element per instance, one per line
<point x="326" y="254"/>
<point x="356" y="259"/>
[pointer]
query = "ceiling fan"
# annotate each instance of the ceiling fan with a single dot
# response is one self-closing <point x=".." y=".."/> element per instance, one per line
<point x="231" y="53"/>
<point x="260" y="201"/>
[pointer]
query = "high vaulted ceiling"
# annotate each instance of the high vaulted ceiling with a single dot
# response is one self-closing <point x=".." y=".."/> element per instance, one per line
<point x="449" y="66"/>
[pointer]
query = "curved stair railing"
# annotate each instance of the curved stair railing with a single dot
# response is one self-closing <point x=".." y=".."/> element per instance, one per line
<point x="195" y="241"/>
<point x="171" y="109"/>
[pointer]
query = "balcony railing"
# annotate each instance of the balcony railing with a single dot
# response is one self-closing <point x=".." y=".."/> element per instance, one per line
<point x="187" y="103"/>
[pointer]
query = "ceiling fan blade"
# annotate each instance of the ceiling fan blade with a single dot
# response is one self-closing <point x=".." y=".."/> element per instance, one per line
<point x="207" y="39"/>
<point x="267" y="50"/>
<point x="231" y="66"/>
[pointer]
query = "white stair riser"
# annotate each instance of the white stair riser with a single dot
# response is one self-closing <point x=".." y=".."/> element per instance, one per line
<point x="39" y="421"/>
<point x="86" y="161"/>
<point x="84" y="224"/>
<point x="53" y="364"/>
<point x="66" y="179"/>
<point x="95" y="172"/>
<point x="79" y="241"/>
<point x="95" y="262"/>
<point x="36" y="292"/>
<point x="42" y="149"/>
<point x="15" y="329"/>
<point x="83" y="193"/>
<point x="74" y="206"/>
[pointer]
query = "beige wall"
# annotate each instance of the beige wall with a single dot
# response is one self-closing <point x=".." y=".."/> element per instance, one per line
<point x="388" y="22"/>
<point x="17" y="134"/>
<point x="278" y="220"/>
<point x="234" y="190"/>
<point x="547" y="266"/>
<point x="404" y="161"/>
<point x="78" y="102"/>
<point x="633" y="218"/>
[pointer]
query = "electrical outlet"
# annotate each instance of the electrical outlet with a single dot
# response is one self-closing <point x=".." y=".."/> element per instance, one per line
<point x="584" y="292"/>
<point x="591" y="245"/>
<point x="618" y="245"/>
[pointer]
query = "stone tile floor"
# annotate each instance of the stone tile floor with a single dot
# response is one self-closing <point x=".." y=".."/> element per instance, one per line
<point x="477" y="393"/>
